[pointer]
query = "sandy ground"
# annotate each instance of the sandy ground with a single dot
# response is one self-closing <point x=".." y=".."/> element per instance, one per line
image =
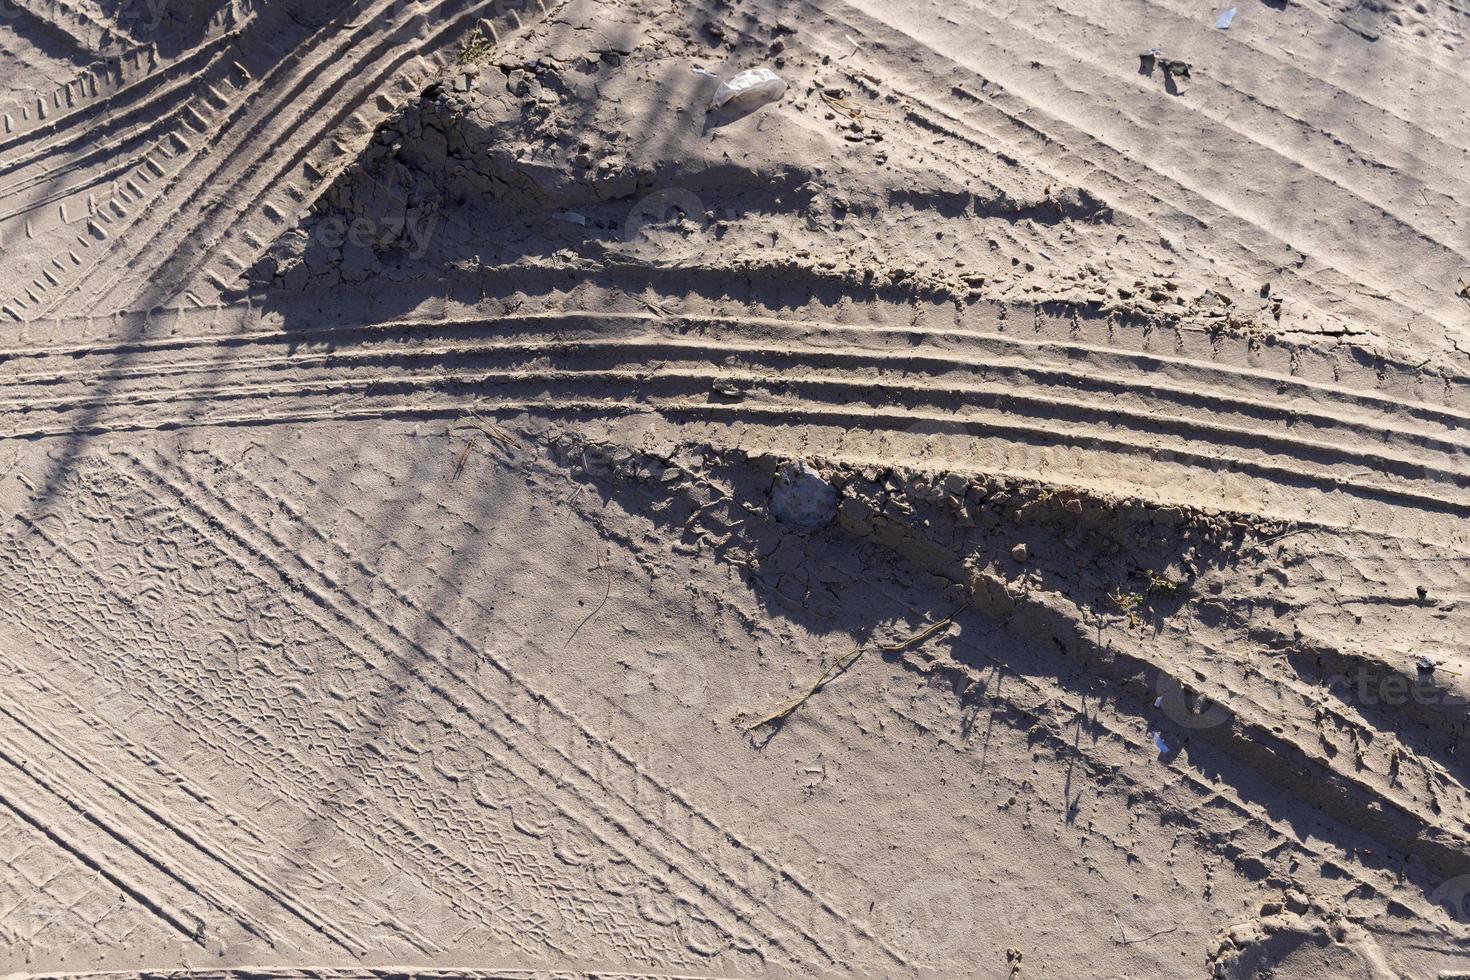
<point x="470" y="511"/>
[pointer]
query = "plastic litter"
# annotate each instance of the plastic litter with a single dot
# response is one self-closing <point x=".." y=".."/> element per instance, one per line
<point x="1160" y="745"/>
<point x="752" y="86"/>
<point x="1225" y="20"/>
<point x="571" y="217"/>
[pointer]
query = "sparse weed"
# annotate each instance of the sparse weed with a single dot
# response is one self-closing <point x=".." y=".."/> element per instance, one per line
<point x="1131" y="603"/>
<point x="1134" y="603"/>
<point x="1162" y="583"/>
<point x="475" y="47"/>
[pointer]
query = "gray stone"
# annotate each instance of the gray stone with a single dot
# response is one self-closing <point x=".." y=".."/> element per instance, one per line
<point x="802" y="498"/>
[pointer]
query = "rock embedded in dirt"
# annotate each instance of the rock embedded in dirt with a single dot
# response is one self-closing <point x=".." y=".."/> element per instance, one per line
<point x="802" y="498"/>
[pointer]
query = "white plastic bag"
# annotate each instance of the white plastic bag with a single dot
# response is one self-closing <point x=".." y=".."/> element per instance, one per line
<point x="754" y="85"/>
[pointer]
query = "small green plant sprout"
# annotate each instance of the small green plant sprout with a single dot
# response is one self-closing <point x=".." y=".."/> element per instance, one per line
<point x="1134" y="603"/>
<point x="1162" y="583"/>
<point x="475" y="47"/>
<point x="1131" y="603"/>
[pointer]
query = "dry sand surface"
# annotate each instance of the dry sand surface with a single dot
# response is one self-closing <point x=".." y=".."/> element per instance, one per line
<point x="470" y="510"/>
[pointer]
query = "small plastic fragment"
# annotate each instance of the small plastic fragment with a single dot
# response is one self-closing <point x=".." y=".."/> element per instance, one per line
<point x="752" y="86"/>
<point x="1226" y="18"/>
<point x="1160" y="744"/>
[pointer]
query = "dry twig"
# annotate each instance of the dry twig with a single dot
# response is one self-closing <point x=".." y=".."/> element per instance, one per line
<point x="602" y="563"/>
<point x="492" y="431"/>
<point x="841" y="665"/>
<point x="463" y="458"/>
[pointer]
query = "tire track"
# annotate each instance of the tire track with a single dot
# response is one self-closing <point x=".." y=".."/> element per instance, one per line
<point x="256" y="152"/>
<point x="252" y="228"/>
<point x="1310" y="76"/>
<point x="1391" y="397"/>
<point x="256" y="616"/>
<point x="121" y="86"/>
<point x="1026" y="450"/>
<point x="78" y="790"/>
<point x="199" y="704"/>
<point x="196" y="849"/>
<point x="68" y="825"/>
<point x="979" y="108"/>
<point x="1273" y="727"/>
<point x="208" y="127"/>
<point x="75" y="25"/>
<point x="143" y="108"/>
<point x="553" y="740"/>
<point x="207" y="820"/>
<point x="999" y="366"/>
<point x="1035" y="391"/>
<point x="1213" y="796"/>
<point x="1353" y="163"/>
<point x="607" y="365"/>
<point x="137" y="189"/>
